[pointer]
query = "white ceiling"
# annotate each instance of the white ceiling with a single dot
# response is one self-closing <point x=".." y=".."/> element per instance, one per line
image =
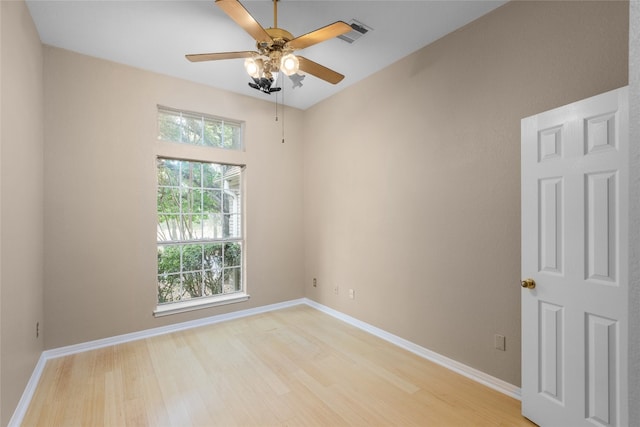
<point x="155" y="35"/>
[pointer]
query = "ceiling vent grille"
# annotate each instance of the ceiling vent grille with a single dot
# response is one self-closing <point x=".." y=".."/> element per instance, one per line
<point x="359" y="30"/>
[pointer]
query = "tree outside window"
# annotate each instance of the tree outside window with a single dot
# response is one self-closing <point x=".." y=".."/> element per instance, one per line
<point x="199" y="234"/>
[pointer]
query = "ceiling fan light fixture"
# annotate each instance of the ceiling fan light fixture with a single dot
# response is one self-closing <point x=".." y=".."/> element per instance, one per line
<point x="275" y="47"/>
<point x="289" y="64"/>
<point x="254" y="67"/>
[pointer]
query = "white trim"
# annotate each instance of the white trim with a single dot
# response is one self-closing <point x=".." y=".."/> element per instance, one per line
<point x="198" y="304"/>
<point x="27" y="394"/>
<point x="462" y="369"/>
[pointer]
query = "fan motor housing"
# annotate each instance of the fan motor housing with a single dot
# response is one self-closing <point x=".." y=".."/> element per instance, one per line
<point x="279" y="33"/>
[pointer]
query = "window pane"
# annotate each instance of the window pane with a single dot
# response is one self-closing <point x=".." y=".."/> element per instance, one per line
<point x="213" y="133"/>
<point x="169" y="126"/>
<point x="191" y="201"/>
<point x="212" y="283"/>
<point x="231" y="281"/>
<point x="211" y="201"/>
<point x="231" y="202"/>
<point x="183" y="294"/>
<point x="232" y="255"/>
<point x="213" y="269"/>
<point x="191" y="258"/>
<point x="191" y="227"/>
<point x="168" y="172"/>
<point x="168" y="260"/>
<point x="232" y="137"/>
<point x="231" y="227"/>
<point x="169" y="228"/>
<point x="232" y="177"/>
<point x="192" y="284"/>
<point x="191" y="174"/>
<point x="212" y="174"/>
<point x="212" y="257"/>
<point x="212" y="226"/>
<point x="168" y="200"/>
<point x="169" y="288"/>
<point x="192" y="129"/>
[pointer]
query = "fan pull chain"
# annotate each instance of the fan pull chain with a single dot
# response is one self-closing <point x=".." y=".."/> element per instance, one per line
<point x="283" y="106"/>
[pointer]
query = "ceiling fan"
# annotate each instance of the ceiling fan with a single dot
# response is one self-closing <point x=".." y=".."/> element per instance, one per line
<point x="275" y="47"/>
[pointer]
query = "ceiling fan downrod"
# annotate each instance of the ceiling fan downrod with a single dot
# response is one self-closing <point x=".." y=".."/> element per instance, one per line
<point x="275" y="13"/>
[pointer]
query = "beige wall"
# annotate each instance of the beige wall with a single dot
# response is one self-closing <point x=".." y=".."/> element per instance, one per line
<point x="100" y="190"/>
<point x="21" y="200"/>
<point x="412" y="177"/>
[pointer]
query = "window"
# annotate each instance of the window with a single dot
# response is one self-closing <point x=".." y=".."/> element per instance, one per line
<point x="199" y="234"/>
<point x="198" y="129"/>
<point x="200" y="242"/>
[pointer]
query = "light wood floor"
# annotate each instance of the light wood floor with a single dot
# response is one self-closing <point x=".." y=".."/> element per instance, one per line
<point x="292" y="367"/>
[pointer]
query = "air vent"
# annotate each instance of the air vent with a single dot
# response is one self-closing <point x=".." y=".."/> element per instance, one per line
<point x="359" y="30"/>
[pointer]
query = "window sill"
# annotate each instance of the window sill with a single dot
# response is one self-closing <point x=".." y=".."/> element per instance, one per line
<point x="198" y="304"/>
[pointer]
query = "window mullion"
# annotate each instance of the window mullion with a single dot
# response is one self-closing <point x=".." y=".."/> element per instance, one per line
<point x="202" y="270"/>
<point x="181" y="223"/>
<point x="181" y="271"/>
<point x="202" y="214"/>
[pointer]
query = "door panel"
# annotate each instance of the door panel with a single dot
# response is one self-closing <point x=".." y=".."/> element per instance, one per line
<point x="601" y="226"/>
<point x="574" y="245"/>
<point x="551" y="382"/>
<point x="602" y="384"/>
<point x="550" y="227"/>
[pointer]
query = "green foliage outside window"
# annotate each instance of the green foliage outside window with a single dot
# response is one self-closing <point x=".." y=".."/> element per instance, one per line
<point x="199" y="230"/>
<point x="198" y="129"/>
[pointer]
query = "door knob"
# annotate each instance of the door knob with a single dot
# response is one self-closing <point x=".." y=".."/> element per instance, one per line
<point x="528" y="283"/>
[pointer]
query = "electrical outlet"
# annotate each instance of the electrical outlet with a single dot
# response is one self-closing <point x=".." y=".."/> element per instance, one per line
<point x="352" y="294"/>
<point x="336" y="290"/>
<point x="315" y="282"/>
<point x="500" y="342"/>
<point x="37" y="329"/>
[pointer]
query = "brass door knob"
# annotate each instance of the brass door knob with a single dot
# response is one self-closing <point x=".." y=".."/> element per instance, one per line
<point x="528" y="283"/>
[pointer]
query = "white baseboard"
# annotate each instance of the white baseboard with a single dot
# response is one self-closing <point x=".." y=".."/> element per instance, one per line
<point x="27" y="394"/>
<point x="467" y="371"/>
<point x="147" y="333"/>
<point x="462" y="369"/>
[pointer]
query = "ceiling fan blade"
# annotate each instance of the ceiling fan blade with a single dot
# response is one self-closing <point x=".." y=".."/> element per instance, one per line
<point x="243" y="18"/>
<point x="321" y="34"/>
<point x="199" y="57"/>
<point x="320" y="71"/>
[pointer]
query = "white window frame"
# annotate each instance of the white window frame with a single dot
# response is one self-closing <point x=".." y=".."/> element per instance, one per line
<point x="202" y="120"/>
<point x="209" y="157"/>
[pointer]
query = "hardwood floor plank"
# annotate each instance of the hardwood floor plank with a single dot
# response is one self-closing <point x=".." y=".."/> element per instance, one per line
<point x="292" y="367"/>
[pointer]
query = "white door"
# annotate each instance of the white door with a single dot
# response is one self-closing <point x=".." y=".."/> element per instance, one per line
<point x="574" y="247"/>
